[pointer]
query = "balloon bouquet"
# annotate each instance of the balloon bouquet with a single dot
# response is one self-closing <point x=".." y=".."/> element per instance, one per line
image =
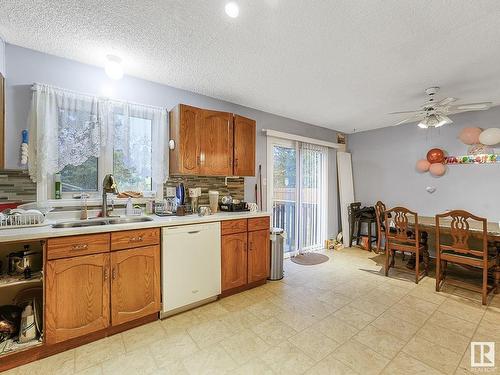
<point x="434" y="164"/>
<point x="479" y="139"/>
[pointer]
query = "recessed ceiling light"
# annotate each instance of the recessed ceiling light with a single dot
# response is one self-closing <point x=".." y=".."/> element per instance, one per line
<point x="113" y="67"/>
<point x="232" y="9"/>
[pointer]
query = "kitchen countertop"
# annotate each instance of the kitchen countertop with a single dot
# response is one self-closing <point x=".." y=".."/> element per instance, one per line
<point x="46" y="231"/>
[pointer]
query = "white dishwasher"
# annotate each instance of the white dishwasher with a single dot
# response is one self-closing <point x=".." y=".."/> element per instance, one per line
<point x="191" y="266"/>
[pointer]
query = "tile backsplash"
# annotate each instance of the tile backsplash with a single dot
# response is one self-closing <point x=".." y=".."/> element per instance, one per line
<point x="16" y="185"/>
<point x="235" y="185"/>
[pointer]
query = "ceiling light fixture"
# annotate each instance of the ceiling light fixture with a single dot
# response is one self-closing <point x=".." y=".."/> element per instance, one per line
<point x="113" y="67"/>
<point x="232" y="9"/>
<point x="434" y="121"/>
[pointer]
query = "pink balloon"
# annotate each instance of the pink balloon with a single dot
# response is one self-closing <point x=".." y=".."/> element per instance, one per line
<point x="437" y="169"/>
<point x="422" y="166"/>
<point x="470" y="136"/>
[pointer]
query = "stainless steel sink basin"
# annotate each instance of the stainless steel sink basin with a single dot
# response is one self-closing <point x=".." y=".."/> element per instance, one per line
<point x="125" y="220"/>
<point x="96" y="222"/>
<point x="78" y="224"/>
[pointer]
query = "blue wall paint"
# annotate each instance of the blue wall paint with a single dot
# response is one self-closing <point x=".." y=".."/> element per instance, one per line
<point x="26" y="66"/>
<point x="384" y="168"/>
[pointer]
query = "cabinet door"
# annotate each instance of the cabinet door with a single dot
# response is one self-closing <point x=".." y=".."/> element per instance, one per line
<point x="189" y="144"/>
<point x="216" y="144"/>
<point x="77" y="297"/>
<point x="234" y="260"/>
<point x="244" y="146"/>
<point x="258" y="255"/>
<point x="135" y="283"/>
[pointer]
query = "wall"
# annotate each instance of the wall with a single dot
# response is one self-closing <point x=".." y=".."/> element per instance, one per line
<point x="2" y="57"/>
<point x="384" y="168"/>
<point x="27" y="66"/>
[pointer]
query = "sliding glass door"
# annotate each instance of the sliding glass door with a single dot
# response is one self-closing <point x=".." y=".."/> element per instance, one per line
<point x="285" y="191"/>
<point x="299" y="192"/>
<point x="313" y="196"/>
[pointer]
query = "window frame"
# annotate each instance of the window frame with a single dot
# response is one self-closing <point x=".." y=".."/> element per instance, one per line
<point x="104" y="166"/>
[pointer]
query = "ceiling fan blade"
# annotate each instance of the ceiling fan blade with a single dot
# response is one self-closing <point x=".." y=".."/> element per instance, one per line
<point x="419" y="112"/>
<point x="446" y="101"/>
<point x="470" y="107"/>
<point x="410" y="119"/>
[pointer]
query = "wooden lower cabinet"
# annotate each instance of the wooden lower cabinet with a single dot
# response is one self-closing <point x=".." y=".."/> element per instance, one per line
<point x="245" y="254"/>
<point x="234" y="260"/>
<point x="89" y="293"/>
<point x="258" y="255"/>
<point x="77" y="297"/>
<point x="135" y="283"/>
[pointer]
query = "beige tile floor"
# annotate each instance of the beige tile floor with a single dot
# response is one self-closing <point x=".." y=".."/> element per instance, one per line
<point x="340" y="317"/>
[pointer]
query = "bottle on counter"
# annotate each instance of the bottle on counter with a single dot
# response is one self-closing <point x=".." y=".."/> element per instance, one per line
<point x="129" y="209"/>
<point x="150" y="207"/>
<point x="83" y="207"/>
<point x="58" y="186"/>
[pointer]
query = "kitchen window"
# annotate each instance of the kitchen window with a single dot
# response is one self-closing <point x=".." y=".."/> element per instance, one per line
<point x="84" y="138"/>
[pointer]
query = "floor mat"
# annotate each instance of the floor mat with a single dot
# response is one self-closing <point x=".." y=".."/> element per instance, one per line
<point x="309" y="259"/>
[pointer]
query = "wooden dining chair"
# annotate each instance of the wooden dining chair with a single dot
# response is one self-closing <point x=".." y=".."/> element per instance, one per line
<point x="380" y="212"/>
<point x="404" y="236"/>
<point x="457" y="250"/>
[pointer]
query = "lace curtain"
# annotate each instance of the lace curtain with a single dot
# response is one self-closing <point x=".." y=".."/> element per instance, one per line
<point x="66" y="128"/>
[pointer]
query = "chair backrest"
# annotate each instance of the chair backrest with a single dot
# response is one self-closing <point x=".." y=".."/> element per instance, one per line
<point x="380" y="212"/>
<point x="354" y="207"/>
<point x="458" y="224"/>
<point x="405" y="227"/>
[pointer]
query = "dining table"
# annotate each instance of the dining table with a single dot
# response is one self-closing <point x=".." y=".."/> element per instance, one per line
<point x="428" y="224"/>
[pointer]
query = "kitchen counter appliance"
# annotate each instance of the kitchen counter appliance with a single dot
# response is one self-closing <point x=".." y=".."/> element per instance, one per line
<point x="234" y="207"/>
<point x="191" y="266"/>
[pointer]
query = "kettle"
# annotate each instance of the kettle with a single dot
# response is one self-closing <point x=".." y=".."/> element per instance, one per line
<point x="16" y="263"/>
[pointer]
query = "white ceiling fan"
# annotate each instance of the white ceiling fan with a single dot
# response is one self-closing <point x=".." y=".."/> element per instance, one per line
<point x="434" y="114"/>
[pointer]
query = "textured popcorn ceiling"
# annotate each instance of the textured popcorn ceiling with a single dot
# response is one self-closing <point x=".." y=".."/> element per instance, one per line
<point x="342" y="64"/>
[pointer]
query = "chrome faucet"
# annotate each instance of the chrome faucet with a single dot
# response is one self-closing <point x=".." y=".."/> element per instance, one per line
<point x="108" y="186"/>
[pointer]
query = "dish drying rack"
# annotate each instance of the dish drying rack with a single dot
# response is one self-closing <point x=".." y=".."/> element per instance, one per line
<point x="21" y="220"/>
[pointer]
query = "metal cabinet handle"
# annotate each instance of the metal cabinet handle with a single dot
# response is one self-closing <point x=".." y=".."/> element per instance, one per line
<point x="136" y="239"/>
<point x="106" y="274"/>
<point x="250" y="246"/>
<point x="80" y="246"/>
<point x="194" y="232"/>
<point x="236" y="162"/>
<point x="113" y="273"/>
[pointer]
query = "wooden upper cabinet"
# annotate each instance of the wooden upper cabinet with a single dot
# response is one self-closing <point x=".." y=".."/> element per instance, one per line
<point x="234" y="260"/>
<point x="77" y="297"/>
<point x="206" y="142"/>
<point x="258" y="255"/>
<point x="244" y="146"/>
<point x="135" y="283"/>
<point x="216" y="143"/>
<point x="185" y="124"/>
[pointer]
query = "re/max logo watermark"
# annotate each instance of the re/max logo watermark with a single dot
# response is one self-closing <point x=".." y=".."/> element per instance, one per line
<point x="482" y="355"/>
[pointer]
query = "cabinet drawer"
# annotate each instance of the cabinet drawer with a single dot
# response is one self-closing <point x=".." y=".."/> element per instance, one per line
<point x="258" y="223"/>
<point x="65" y="247"/>
<point x="233" y="226"/>
<point x="135" y="238"/>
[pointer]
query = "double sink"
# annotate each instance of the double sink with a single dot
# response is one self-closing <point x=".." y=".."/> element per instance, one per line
<point x="102" y="221"/>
